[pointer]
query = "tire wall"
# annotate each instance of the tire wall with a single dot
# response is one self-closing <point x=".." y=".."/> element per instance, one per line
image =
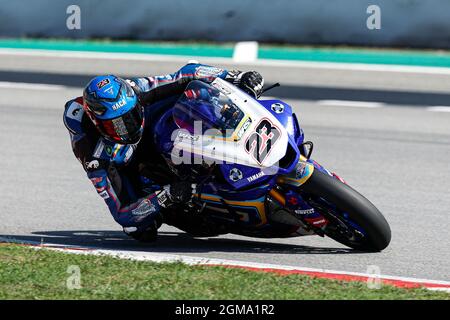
<point x="412" y="23"/>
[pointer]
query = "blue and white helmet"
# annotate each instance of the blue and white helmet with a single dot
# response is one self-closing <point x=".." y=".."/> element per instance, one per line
<point x="112" y="105"/>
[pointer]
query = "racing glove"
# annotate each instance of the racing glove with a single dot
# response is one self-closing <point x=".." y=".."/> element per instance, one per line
<point x="251" y="82"/>
<point x="176" y="193"/>
<point x="173" y="194"/>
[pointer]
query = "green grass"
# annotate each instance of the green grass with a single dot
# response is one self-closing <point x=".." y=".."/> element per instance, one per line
<point x="27" y="273"/>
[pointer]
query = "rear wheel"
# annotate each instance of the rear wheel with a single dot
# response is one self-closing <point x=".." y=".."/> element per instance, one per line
<point x="353" y="220"/>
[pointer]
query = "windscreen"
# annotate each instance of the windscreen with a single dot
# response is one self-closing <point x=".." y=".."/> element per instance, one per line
<point x="204" y="106"/>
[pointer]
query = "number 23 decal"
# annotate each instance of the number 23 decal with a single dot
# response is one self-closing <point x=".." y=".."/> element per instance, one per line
<point x="260" y="143"/>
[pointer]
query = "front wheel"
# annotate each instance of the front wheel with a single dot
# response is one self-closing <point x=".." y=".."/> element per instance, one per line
<point x="352" y="219"/>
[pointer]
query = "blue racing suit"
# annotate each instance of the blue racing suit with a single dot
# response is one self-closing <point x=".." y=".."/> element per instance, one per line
<point x="115" y="170"/>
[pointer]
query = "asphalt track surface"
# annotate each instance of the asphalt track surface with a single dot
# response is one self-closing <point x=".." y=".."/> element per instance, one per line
<point x="397" y="156"/>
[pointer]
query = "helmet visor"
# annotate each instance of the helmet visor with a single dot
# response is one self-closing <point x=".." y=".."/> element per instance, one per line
<point x="126" y="129"/>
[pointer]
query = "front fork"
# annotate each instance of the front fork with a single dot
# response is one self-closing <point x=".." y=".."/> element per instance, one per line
<point x="287" y="194"/>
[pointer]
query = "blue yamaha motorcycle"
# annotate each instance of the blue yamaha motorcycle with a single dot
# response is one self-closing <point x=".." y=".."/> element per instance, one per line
<point x="254" y="172"/>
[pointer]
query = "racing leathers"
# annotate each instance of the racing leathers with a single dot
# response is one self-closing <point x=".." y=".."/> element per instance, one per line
<point x="132" y="179"/>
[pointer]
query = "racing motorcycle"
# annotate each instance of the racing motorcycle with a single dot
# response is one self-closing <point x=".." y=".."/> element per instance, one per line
<point x="254" y="174"/>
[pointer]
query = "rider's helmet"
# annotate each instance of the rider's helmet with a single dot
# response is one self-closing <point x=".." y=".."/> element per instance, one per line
<point x="112" y="105"/>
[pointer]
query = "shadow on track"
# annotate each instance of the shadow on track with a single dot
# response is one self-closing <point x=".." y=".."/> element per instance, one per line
<point x="169" y="242"/>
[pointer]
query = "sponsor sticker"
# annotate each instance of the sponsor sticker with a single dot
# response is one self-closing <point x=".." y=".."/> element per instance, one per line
<point x="182" y="135"/>
<point x="128" y="154"/>
<point x="162" y="198"/>
<point x="205" y="72"/>
<point x="75" y="112"/>
<point x="131" y="83"/>
<point x="104" y="194"/>
<point x="304" y="212"/>
<point x="244" y="128"/>
<point x="255" y="176"/>
<point x="317" y="222"/>
<point x="119" y="104"/>
<point x="109" y="150"/>
<point x="94" y="164"/>
<point x="221" y="88"/>
<point x="103" y="83"/>
<point x="99" y="149"/>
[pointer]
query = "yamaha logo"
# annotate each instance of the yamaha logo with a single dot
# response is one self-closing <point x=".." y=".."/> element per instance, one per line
<point x="235" y="174"/>
<point x="277" y="107"/>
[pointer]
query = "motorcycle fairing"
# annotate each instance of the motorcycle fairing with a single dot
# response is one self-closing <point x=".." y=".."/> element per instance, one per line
<point x="249" y="212"/>
<point x="242" y="196"/>
<point x="303" y="171"/>
<point x="264" y="135"/>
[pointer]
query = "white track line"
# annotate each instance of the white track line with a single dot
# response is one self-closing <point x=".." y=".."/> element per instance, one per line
<point x="355" y="66"/>
<point x="439" y="109"/>
<point x="259" y="62"/>
<point x="348" y="103"/>
<point x="30" y="86"/>
<point x="106" y="55"/>
<point x="192" y="260"/>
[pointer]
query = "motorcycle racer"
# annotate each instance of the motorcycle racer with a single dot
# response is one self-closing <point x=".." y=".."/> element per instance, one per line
<point x="111" y="132"/>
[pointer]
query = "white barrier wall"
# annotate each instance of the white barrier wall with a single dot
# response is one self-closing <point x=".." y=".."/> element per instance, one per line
<point x="403" y="22"/>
